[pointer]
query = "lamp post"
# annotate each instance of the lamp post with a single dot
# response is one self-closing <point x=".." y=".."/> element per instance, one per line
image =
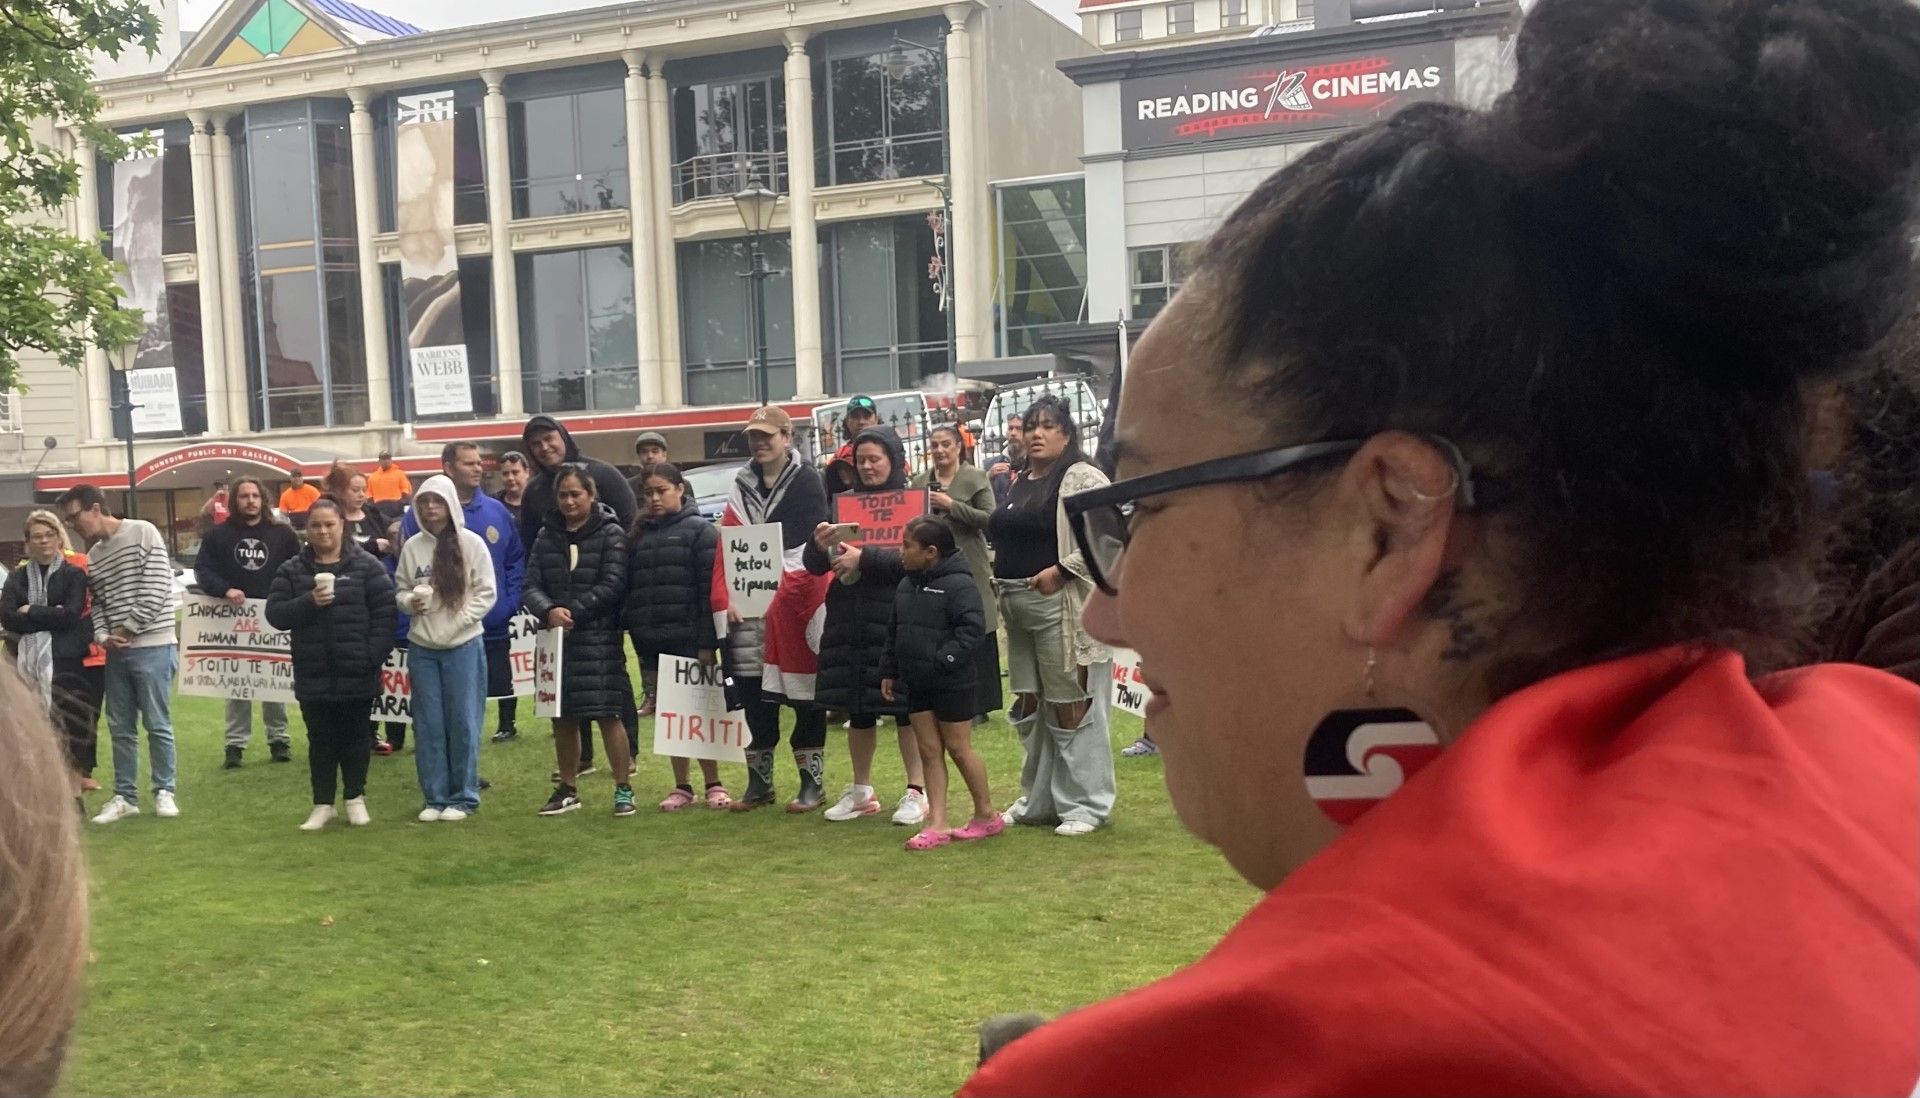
<point x="122" y="358"/>
<point x="755" y="203"/>
<point x="896" y="66"/>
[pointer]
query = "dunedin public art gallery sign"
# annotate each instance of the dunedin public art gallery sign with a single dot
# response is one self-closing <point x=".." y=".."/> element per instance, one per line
<point x="1257" y="100"/>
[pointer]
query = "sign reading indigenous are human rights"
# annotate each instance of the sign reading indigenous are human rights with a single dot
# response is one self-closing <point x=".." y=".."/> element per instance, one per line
<point x="227" y="650"/>
<point x="1254" y="100"/>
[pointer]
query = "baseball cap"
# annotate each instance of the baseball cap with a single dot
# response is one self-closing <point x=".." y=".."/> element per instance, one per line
<point x="862" y="404"/>
<point x="386" y="453"/>
<point x="650" y="438"/>
<point x="770" y="420"/>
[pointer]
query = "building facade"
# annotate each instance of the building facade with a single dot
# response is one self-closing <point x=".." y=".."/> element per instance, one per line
<point x="1156" y="24"/>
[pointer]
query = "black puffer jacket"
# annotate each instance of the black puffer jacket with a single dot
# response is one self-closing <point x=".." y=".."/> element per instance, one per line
<point x="585" y="571"/>
<point x="859" y="614"/>
<point x="938" y="620"/>
<point x="338" y="649"/>
<point x="670" y="567"/>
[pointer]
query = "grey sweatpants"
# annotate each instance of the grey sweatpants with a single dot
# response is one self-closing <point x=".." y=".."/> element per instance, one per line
<point x="1068" y="772"/>
<point x="240" y="721"/>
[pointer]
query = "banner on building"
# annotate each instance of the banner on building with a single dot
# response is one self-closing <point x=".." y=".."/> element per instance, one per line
<point x="156" y="401"/>
<point x="396" y="683"/>
<point x="1256" y="99"/>
<point x="139" y="211"/>
<point x="227" y="650"/>
<point x="753" y="559"/>
<point x="429" y="262"/>
<point x="691" y="718"/>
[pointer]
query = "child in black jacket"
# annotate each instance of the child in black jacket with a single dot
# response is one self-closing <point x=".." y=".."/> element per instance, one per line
<point x="937" y="622"/>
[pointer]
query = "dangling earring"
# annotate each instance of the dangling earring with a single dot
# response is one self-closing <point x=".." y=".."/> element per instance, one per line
<point x="1356" y="758"/>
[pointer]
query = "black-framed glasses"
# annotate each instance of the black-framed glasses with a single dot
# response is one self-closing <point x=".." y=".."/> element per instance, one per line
<point x="1102" y="519"/>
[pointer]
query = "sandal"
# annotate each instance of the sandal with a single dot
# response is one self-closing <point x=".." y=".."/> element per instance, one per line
<point x="980" y="829"/>
<point x="717" y="797"/>
<point x="929" y="839"/>
<point x="676" y="800"/>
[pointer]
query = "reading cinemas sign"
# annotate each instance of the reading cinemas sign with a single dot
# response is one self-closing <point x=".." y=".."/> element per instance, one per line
<point x="1257" y="100"/>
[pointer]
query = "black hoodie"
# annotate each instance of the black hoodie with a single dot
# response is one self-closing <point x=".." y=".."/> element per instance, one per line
<point x="537" y="501"/>
<point x="858" y="615"/>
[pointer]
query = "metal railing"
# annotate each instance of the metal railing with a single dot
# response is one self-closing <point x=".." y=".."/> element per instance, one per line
<point x="722" y="175"/>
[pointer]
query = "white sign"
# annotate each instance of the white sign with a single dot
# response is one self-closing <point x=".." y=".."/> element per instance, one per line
<point x="691" y="718"/>
<point x="395" y="702"/>
<point x="1129" y="690"/>
<point x="227" y="650"/>
<point x="440" y="385"/>
<point x="752" y="557"/>
<point x="548" y="645"/>
<point x="156" y="401"/>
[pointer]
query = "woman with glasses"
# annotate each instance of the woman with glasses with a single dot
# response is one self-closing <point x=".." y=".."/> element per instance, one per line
<point x="1460" y="513"/>
<point x="1057" y="671"/>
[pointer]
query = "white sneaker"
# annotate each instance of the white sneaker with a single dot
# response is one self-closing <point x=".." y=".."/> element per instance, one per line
<point x="854" y="803"/>
<point x="912" y="810"/>
<point x="452" y="815"/>
<point x="1007" y="817"/>
<point x="164" y="805"/>
<point x="357" y="812"/>
<point x="119" y="808"/>
<point x="429" y="815"/>
<point x="1075" y="827"/>
<point x="321" y="816"/>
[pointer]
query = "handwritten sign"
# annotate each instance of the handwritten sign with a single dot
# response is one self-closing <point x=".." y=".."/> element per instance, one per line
<point x="395" y="703"/>
<point x="228" y="650"/>
<point x="753" y="561"/>
<point x="883" y="516"/>
<point x="547" y="648"/>
<point x="691" y="719"/>
<point x="1129" y="690"/>
<point x="521" y="629"/>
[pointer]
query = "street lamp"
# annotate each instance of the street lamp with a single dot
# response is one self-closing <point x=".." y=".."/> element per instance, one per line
<point x="755" y="203"/>
<point x="122" y="358"/>
<point x="896" y="64"/>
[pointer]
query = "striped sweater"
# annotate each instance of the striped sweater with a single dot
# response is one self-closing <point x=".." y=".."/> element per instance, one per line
<point x="132" y="579"/>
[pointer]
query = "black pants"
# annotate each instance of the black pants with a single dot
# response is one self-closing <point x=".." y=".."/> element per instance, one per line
<point x="337" y="743"/>
<point x="77" y="690"/>
<point x="500" y="682"/>
<point x="763" y="719"/>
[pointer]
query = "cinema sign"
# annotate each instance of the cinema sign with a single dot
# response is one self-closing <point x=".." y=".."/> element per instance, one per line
<point x="1258" y="100"/>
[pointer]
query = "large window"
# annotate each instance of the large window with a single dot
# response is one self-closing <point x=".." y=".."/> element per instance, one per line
<point x="889" y="329"/>
<point x="877" y="105"/>
<point x="1180" y="17"/>
<point x="1157" y="274"/>
<point x="727" y="133"/>
<point x="1303" y="9"/>
<point x="1233" y="13"/>
<point x="578" y="341"/>
<point x="1043" y="255"/>
<point x="716" y="321"/>
<point x="1126" y="25"/>
<point x="568" y="152"/>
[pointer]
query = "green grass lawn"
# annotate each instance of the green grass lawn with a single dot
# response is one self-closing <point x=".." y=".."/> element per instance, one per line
<point x="697" y="953"/>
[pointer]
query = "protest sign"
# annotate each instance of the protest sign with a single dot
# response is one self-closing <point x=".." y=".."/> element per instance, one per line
<point x="521" y="629"/>
<point x="752" y="558"/>
<point x="691" y="718"/>
<point x="395" y="703"/>
<point x="547" y="647"/>
<point x="227" y="650"/>
<point x="1129" y="691"/>
<point x="882" y="516"/>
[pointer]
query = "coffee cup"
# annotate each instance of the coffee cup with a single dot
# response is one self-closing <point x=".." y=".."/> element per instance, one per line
<point x="422" y="592"/>
<point x="323" y="584"/>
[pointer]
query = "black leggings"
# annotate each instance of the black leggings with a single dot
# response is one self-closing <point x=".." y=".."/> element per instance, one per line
<point x="763" y="719"/>
<point x="337" y="741"/>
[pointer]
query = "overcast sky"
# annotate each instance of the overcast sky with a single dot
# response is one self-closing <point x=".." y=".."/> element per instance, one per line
<point x="442" y="14"/>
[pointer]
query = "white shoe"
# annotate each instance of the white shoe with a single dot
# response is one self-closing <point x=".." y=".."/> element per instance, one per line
<point x="452" y="815"/>
<point x="1075" y="827"/>
<point x="1007" y="817"/>
<point x="119" y="808"/>
<point x="321" y="816"/>
<point x="853" y="804"/>
<point x="357" y="812"/>
<point x="429" y="815"/>
<point x="164" y="805"/>
<point x="912" y="809"/>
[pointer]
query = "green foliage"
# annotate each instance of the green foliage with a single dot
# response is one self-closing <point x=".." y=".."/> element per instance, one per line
<point x="57" y="291"/>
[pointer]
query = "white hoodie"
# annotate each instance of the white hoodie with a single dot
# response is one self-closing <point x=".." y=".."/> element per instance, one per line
<point x="443" y="626"/>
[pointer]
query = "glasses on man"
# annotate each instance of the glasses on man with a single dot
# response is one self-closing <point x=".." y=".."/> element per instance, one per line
<point x="1102" y="519"/>
<point x="70" y="519"/>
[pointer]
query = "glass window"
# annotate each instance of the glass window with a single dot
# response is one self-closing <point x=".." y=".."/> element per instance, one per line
<point x="885" y="115"/>
<point x="280" y="177"/>
<point x="176" y="196"/>
<point x="1043" y="247"/>
<point x="469" y="168"/>
<point x="1158" y="274"/>
<point x="726" y="134"/>
<point x="183" y="313"/>
<point x="1233" y="13"/>
<point x="893" y="345"/>
<point x="1303" y="9"/>
<point x="294" y="344"/>
<point x="476" y="317"/>
<point x="577" y="330"/>
<point x="716" y="326"/>
<point x="333" y="168"/>
<point x="1180" y="17"/>
<point x="1126" y="26"/>
<point x="568" y="153"/>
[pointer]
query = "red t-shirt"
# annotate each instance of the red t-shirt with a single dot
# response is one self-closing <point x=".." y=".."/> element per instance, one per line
<point x="1649" y="876"/>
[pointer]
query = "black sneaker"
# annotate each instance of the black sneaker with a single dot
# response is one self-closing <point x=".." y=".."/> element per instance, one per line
<point x="485" y="784"/>
<point x="282" y="753"/>
<point x="505" y="734"/>
<point x="623" y="800"/>
<point x="233" y="758"/>
<point x="564" y="799"/>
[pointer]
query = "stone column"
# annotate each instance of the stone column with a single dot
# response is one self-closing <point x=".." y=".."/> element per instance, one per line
<point x="646" y="224"/>
<point x="506" y="282"/>
<point x="366" y="223"/>
<point x="667" y="273"/>
<point x="96" y="411"/>
<point x="227" y="220"/>
<point x="206" y="246"/>
<point x="809" y="375"/>
<point x="971" y="284"/>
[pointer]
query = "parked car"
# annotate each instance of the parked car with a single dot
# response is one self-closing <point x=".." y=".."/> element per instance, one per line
<point x="710" y="485"/>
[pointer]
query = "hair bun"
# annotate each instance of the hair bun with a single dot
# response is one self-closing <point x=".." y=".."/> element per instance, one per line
<point x="1738" y="173"/>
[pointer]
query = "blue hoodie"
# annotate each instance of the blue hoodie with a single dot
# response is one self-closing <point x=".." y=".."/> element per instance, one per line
<point x="490" y="519"/>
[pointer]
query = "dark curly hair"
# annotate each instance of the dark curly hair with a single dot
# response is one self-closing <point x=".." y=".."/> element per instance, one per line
<point x="1609" y="290"/>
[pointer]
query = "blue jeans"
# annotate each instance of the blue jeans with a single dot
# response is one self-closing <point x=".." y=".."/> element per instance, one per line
<point x="139" y="685"/>
<point x="449" y="701"/>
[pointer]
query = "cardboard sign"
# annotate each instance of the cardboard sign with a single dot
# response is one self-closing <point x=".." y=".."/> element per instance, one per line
<point x="521" y="629"/>
<point x="548" y="645"/>
<point x="228" y="650"/>
<point x="395" y="703"/>
<point x="691" y="719"/>
<point x="752" y="557"/>
<point x="1129" y="691"/>
<point x="883" y="516"/>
